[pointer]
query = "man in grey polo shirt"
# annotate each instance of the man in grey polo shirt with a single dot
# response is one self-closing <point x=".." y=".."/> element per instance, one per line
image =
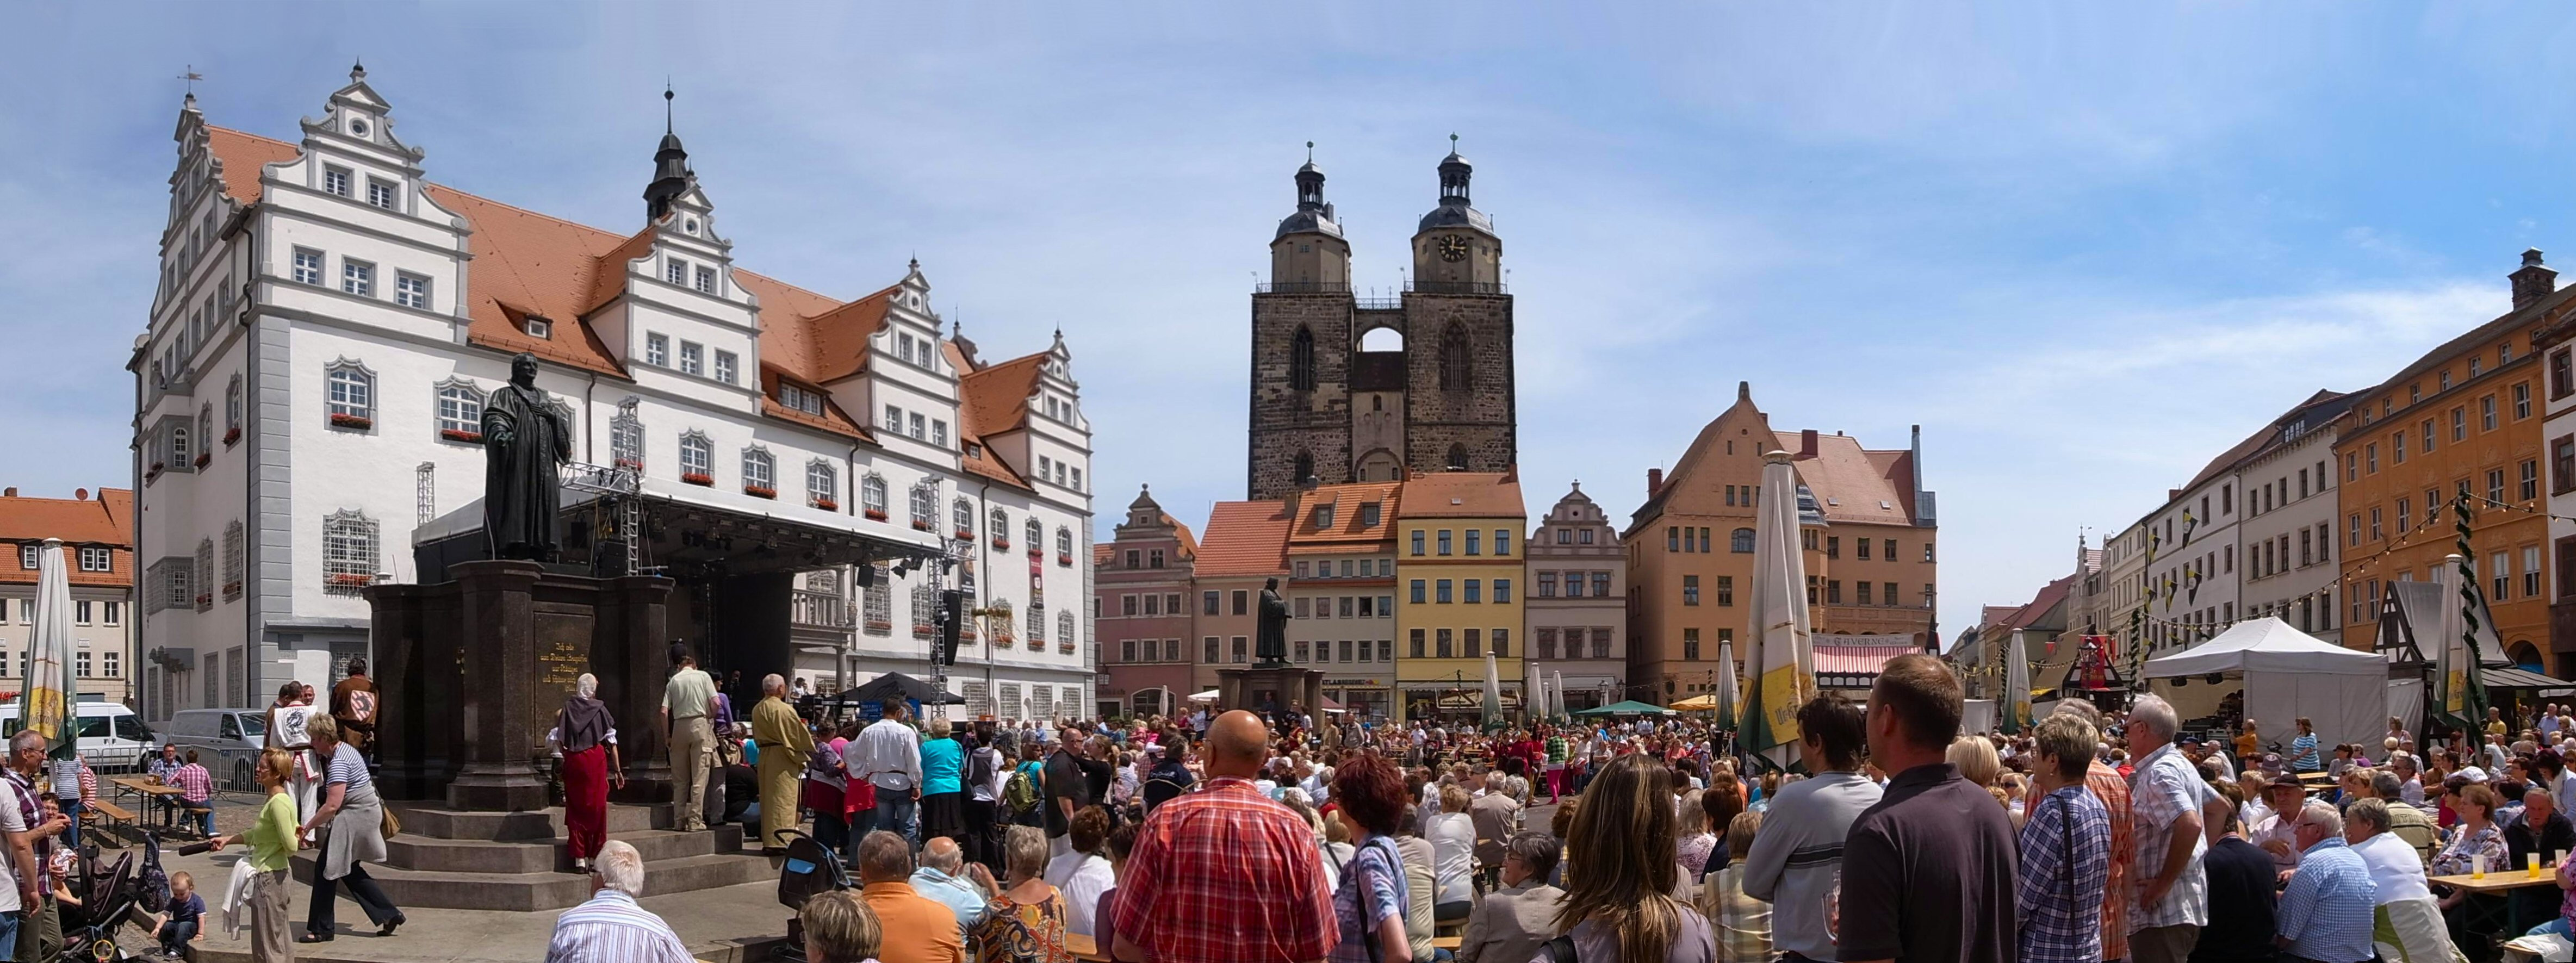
<point x="1800" y="847"/>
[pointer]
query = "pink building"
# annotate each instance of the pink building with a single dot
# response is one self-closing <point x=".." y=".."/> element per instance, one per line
<point x="1144" y="582"/>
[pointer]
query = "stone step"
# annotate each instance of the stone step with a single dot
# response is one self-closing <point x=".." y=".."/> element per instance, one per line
<point x="432" y="854"/>
<point x="532" y="825"/>
<point x="529" y="892"/>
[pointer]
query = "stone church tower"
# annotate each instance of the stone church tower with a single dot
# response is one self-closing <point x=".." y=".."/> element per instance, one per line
<point x="1346" y="389"/>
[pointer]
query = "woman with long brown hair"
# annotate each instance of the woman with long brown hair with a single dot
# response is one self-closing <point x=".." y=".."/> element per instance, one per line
<point x="1620" y="872"/>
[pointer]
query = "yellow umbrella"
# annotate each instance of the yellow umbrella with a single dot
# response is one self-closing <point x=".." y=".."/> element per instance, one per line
<point x="1697" y="703"/>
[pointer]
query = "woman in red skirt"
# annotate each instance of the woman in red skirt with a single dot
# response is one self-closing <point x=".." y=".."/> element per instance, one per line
<point x="588" y="737"/>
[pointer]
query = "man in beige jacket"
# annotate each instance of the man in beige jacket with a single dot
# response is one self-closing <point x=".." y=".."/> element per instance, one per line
<point x="1511" y="923"/>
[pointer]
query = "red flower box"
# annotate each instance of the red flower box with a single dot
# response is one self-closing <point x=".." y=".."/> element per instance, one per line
<point x="232" y="435"/>
<point x="460" y="434"/>
<point x="875" y="514"/>
<point x="827" y="504"/>
<point x="205" y="600"/>
<point x="1036" y="552"/>
<point x="352" y="422"/>
<point x="921" y="631"/>
<point x="202" y="459"/>
<point x="1063" y="559"/>
<point x="633" y="463"/>
<point x="352" y="578"/>
<point x="965" y="535"/>
<point x="1002" y="543"/>
<point x="232" y="590"/>
<point x="152" y="472"/>
<point x="756" y="491"/>
<point x="920" y="526"/>
<point x="695" y="478"/>
<point x="880" y="626"/>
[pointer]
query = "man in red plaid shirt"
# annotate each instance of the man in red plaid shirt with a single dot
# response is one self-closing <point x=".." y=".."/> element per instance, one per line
<point x="196" y="792"/>
<point x="1226" y="874"/>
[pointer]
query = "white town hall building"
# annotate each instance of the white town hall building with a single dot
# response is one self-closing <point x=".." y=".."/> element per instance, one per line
<point x="308" y="400"/>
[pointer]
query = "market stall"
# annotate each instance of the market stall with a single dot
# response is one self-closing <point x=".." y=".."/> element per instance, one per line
<point x="2285" y="674"/>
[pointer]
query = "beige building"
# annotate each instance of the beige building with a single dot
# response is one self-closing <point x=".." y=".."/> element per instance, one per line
<point x="1578" y="603"/>
<point x="98" y="556"/>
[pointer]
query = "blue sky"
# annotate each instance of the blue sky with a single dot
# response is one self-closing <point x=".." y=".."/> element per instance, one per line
<point x="2086" y="248"/>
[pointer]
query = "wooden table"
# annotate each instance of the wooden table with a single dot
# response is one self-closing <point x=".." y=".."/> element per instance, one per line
<point x="145" y="790"/>
<point x="2485" y="915"/>
<point x="1083" y="948"/>
<point x="1449" y="943"/>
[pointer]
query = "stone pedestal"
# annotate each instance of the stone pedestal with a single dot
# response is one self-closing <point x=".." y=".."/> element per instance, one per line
<point x="474" y="669"/>
<point x="1270" y="686"/>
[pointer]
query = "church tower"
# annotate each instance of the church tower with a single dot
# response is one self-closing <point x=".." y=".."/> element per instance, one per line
<point x="1345" y="389"/>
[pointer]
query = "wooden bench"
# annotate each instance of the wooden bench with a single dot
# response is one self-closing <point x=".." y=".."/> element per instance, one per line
<point x="117" y="818"/>
<point x="1449" y="943"/>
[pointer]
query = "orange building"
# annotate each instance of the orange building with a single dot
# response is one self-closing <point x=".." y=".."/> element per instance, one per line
<point x="97" y="530"/>
<point x="1869" y="537"/>
<point x="2464" y="418"/>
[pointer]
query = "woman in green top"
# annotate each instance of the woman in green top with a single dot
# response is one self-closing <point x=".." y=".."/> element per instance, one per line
<point x="273" y="839"/>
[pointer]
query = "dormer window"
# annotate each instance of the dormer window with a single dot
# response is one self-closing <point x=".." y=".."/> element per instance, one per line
<point x="1323" y="516"/>
<point x="676" y="271"/>
<point x="335" y="180"/>
<point x="540" y="327"/>
<point x="1369" y="515"/>
<point x="791" y="396"/>
<point x="706" y="280"/>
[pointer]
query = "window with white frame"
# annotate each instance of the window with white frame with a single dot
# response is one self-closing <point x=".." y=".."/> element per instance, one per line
<point x="206" y="428"/>
<point x="97" y="558"/>
<point x="872" y="496"/>
<point x="726" y="362"/>
<point x="939" y="432"/>
<point x="335" y="181"/>
<point x="1037" y="625"/>
<point x="412" y="291"/>
<point x="1065" y="641"/>
<point x="920" y="428"/>
<point x="626" y="436"/>
<point x="809" y="402"/>
<point x="1076" y="485"/>
<point x="82" y="612"/>
<point x="676" y="271"/>
<point x="657" y="350"/>
<point x="181" y="448"/>
<point x="349" y="542"/>
<point x="233" y="559"/>
<point x="1003" y="626"/>
<point x="1011" y="707"/>
<point x="697" y="456"/>
<point x="1000" y="526"/>
<point x="877" y="604"/>
<point x="693" y="358"/>
<point x="233" y="404"/>
<point x="894" y="419"/>
<point x="380" y="193"/>
<point x="979" y="699"/>
<point x="759" y="470"/>
<point x="538" y="327"/>
<point x="925" y="506"/>
<point x="112" y="661"/>
<point x="963" y="514"/>
<point x="358" y="278"/>
<point x="1041" y="702"/>
<point x="80" y="663"/>
<point x="706" y="280"/>
<point x="1064" y="542"/>
<point x="822" y="483"/>
<point x="460" y="411"/>
<point x="308" y="266"/>
<point x="923" y="607"/>
<point x="1036" y="533"/>
<point x="352" y="392"/>
<point x="30" y="555"/>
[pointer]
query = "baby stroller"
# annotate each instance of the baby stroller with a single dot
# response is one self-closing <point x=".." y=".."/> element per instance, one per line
<point x="808" y="868"/>
<point x="109" y="896"/>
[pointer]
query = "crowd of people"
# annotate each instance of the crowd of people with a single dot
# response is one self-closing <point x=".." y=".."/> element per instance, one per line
<point x="1279" y="836"/>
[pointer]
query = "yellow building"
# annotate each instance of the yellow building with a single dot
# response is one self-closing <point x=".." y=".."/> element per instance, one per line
<point x="1459" y="581"/>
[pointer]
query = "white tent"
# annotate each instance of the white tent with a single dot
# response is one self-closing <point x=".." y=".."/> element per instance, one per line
<point x="2290" y="674"/>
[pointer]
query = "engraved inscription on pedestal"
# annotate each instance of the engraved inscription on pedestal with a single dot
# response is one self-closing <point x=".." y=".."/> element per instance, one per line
<point x="563" y="654"/>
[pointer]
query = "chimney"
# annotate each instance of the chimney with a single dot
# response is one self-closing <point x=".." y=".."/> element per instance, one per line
<point x="2533" y="282"/>
<point x="80" y="494"/>
<point x="1654" y="482"/>
<point x="1807" y="443"/>
<point x="9" y="492"/>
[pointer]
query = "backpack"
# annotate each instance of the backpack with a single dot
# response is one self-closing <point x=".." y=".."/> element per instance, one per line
<point x="1021" y="793"/>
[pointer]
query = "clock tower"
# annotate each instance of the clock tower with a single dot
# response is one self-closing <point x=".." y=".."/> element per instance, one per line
<point x="1348" y="389"/>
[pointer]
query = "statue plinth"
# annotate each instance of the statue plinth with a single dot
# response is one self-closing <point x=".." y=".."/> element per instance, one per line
<point x="1270" y="686"/>
<point x="474" y="669"/>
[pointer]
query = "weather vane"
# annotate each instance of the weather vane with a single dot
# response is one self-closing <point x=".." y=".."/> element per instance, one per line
<point x="192" y="76"/>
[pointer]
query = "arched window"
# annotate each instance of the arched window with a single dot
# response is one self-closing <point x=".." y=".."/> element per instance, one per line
<point x="1064" y="630"/>
<point x="822" y="485"/>
<point x="1003" y="629"/>
<point x="349" y="541"/>
<point x="1036" y="535"/>
<point x="182" y="447"/>
<point x="923" y="605"/>
<point x="1456" y="374"/>
<point x="205" y="577"/>
<point x="1457" y="457"/>
<point x="759" y="472"/>
<point x="460" y="411"/>
<point x="697" y="459"/>
<point x="872" y="496"/>
<point x="626" y="437"/>
<point x="1301" y="360"/>
<point x="1000" y="526"/>
<point x="1305" y="467"/>
<point x="964" y="514"/>
<point x="925" y="506"/>
<point x="1063" y="545"/>
<point x="1741" y="540"/>
<point x="233" y="559"/>
<point x="352" y="395"/>
<point x="877" y="601"/>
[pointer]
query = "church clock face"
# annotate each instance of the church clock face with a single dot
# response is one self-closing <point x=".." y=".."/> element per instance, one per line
<point x="1453" y="247"/>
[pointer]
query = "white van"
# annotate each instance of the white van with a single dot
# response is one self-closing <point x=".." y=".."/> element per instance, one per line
<point x="112" y="737"/>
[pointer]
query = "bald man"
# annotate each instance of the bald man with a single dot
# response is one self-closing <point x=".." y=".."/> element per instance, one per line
<point x="1268" y="903"/>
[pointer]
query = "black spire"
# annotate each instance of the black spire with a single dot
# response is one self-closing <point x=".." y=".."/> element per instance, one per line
<point x="670" y="167"/>
<point x="1454" y="172"/>
<point x="1310" y="182"/>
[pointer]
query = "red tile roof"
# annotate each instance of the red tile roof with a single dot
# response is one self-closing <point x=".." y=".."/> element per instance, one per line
<point x="1346" y="501"/>
<point x="105" y="518"/>
<point x="1464" y="494"/>
<point x="1850" y="483"/>
<point x="1244" y="539"/>
<point x="974" y="456"/>
<point x="996" y="397"/>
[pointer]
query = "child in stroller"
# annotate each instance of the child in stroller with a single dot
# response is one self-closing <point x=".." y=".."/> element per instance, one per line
<point x="96" y="899"/>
